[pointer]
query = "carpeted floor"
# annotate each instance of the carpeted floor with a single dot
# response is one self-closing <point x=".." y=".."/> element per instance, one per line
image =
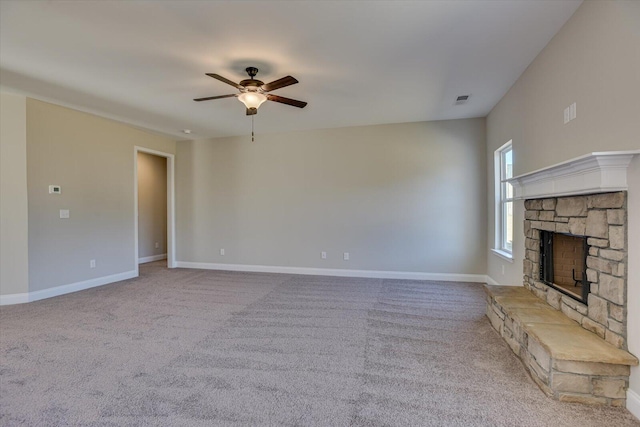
<point x="200" y="348"/>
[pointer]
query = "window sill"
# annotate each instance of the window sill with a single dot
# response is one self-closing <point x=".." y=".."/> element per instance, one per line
<point x="504" y="255"/>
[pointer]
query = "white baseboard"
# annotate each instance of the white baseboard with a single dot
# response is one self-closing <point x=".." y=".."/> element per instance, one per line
<point x="11" y="299"/>
<point x="152" y="258"/>
<point x="490" y="281"/>
<point x="65" y="289"/>
<point x="633" y="403"/>
<point x="372" y="274"/>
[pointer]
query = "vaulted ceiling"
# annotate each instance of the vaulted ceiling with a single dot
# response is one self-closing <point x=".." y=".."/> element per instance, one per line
<point x="358" y="63"/>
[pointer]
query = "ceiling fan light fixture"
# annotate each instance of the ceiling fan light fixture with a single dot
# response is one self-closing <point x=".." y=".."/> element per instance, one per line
<point x="252" y="99"/>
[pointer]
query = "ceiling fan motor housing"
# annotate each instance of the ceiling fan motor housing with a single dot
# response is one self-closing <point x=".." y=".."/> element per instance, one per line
<point x="251" y="84"/>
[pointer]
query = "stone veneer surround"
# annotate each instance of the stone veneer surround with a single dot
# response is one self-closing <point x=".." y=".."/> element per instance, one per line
<point x="602" y="218"/>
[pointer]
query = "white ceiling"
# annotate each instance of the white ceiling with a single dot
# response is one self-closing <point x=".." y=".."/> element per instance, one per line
<point x="358" y="62"/>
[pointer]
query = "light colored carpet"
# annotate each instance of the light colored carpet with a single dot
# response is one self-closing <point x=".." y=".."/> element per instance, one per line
<point x="200" y="348"/>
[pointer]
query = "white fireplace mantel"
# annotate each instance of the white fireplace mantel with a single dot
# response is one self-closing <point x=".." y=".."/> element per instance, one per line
<point x="598" y="172"/>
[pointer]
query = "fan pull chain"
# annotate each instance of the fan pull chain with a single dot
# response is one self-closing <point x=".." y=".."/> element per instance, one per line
<point x="252" y="138"/>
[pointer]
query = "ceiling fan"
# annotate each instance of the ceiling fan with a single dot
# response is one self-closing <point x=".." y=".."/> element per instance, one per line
<point x="254" y="92"/>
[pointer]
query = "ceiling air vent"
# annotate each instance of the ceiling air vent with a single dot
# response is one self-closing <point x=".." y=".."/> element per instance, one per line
<point x="462" y="99"/>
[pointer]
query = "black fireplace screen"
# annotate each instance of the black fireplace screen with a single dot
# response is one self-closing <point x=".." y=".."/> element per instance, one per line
<point x="563" y="263"/>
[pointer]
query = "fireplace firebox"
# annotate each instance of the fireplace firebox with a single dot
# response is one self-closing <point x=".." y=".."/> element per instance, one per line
<point x="563" y="263"/>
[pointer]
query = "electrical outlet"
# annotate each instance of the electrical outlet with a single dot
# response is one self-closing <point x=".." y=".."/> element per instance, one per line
<point x="222" y="251"/>
<point x="64" y="213"/>
<point x="92" y="263"/>
<point x="346" y="256"/>
<point x="157" y="245"/>
<point x="323" y="255"/>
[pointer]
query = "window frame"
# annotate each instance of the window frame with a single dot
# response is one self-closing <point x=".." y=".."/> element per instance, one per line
<point x="504" y="200"/>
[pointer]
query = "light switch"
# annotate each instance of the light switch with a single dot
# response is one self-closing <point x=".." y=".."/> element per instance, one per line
<point x="64" y="213"/>
<point x="569" y="113"/>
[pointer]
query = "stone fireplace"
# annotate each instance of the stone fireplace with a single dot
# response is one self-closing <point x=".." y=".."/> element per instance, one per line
<point x="568" y="323"/>
<point x="601" y="220"/>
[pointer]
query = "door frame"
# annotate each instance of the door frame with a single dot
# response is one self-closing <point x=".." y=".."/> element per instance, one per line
<point x="171" y="203"/>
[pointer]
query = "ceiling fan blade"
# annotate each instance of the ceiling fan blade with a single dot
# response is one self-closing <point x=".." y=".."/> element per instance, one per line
<point x="214" y="97"/>
<point x="288" y="101"/>
<point x="224" y="80"/>
<point x="252" y="111"/>
<point x="277" y="84"/>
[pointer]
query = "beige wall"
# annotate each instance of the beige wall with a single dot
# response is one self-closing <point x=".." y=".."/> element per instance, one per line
<point x="14" y="270"/>
<point x="403" y="197"/>
<point x="93" y="160"/>
<point x="594" y="60"/>
<point x="633" y="270"/>
<point x="152" y="205"/>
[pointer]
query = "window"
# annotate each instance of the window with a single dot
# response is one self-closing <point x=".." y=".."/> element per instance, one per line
<point x="504" y="199"/>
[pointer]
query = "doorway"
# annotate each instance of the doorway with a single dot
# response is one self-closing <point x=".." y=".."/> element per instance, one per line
<point x="154" y="207"/>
